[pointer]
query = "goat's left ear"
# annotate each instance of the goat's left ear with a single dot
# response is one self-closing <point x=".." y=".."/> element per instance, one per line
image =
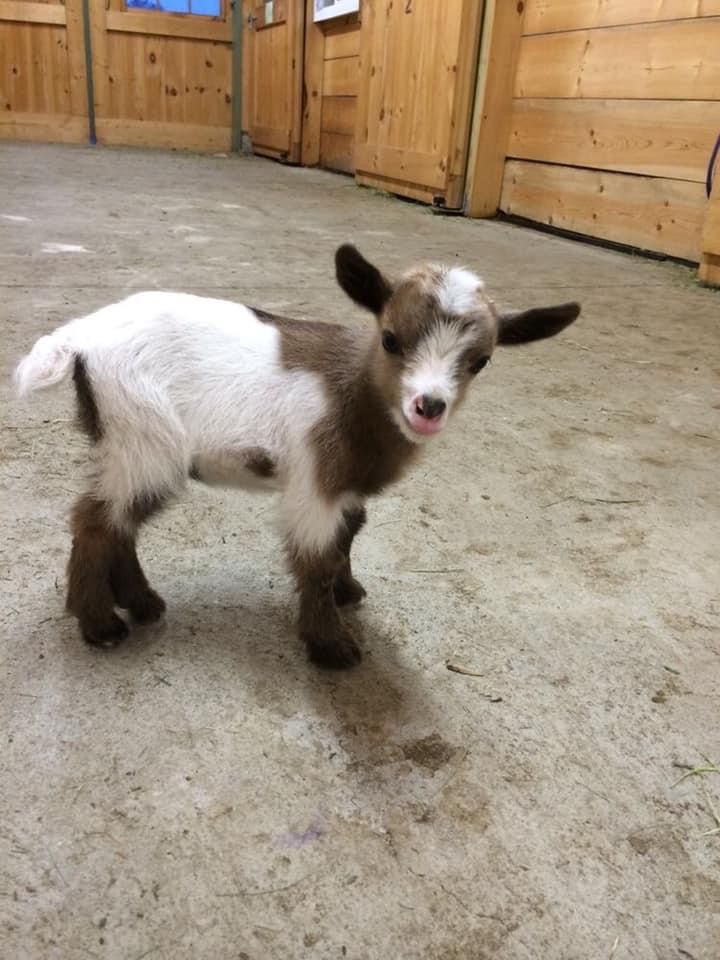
<point x="536" y="324"/>
<point x="360" y="280"/>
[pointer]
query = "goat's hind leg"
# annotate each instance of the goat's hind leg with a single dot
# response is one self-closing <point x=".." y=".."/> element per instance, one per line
<point x="104" y="571"/>
<point x="90" y="596"/>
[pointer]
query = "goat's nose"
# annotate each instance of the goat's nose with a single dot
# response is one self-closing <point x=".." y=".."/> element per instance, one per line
<point x="430" y="407"/>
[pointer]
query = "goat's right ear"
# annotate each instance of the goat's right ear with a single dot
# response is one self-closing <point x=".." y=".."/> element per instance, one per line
<point x="360" y="280"/>
<point x="536" y="324"/>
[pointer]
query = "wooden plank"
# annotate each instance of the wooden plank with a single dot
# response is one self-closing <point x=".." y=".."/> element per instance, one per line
<point x="43" y="127"/>
<point x="336" y="152"/>
<point x="168" y="80"/>
<point x="75" y="40"/>
<point x="343" y="41"/>
<point x="99" y="45"/>
<point x="398" y="164"/>
<point x="468" y="45"/>
<point x="312" y="88"/>
<point x="502" y="31"/>
<point x="548" y="16"/>
<point x="667" y="61"/>
<point x="157" y="24"/>
<point x="274" y="138"/>
<point x="341" y="77"/>
<point x="659" y="138"/>
<point x="34" y="69"/>
<point x="711" y="226"/>
<point x="22" y="12"/>
<point x="645" y="212"/>
<point x="709" y="270"/>
<point x="402" y="188"/>
<point x="338" y="115"/>
<point x="295" y="79"/>
<point x="152" y="133"/>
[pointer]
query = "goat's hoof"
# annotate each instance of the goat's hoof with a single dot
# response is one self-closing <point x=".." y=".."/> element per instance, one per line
<point x="147" y="607"/>
<point x="348" y="590"/>
<point x="107" y="634"/>
<point x="340" y="653"/>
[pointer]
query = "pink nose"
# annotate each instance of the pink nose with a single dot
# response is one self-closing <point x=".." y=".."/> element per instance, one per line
<point x="429" y="407"/>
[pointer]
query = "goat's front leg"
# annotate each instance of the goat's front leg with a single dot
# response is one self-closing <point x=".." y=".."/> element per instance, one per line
<point x="317" y="560"/>
<point x="346" y="588"/>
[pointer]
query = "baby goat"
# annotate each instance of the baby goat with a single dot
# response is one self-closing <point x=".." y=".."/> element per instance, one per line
<point x="171" y="386"/>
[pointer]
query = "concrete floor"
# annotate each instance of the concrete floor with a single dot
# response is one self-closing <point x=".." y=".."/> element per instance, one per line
<point x="205" y="793"/>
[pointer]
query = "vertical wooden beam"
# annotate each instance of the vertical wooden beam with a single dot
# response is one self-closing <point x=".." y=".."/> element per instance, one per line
<point x="296" y="51"/>
<point x="76" y="57"/>
<point x="97" y="55"/>
<point x="500" y="45"/>
<point x="709" y="270"/>
<point x="312" y="88"/>
<point x="92" y="134"/>
<point x="465" y="83"/>
<point x="248" y="71"/>
<point x="236" y="12"/>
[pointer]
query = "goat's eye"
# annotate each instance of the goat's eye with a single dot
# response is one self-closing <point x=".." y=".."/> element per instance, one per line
<point x="477" y="365"/>
<point x="390" y="342"/>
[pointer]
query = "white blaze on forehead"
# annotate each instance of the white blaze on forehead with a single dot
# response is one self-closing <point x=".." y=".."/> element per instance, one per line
<point x="433" y="369"/>
<point x="458" y="290"/>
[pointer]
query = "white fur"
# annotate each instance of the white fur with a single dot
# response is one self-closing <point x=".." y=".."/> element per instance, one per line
<point x="458" y="291"/>
<point x="182" y="380"/>
<point x="433" y="371"/>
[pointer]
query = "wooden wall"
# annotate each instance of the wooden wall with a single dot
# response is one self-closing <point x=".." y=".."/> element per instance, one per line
<point x="614" y="110"/>
<point x="339" y="94"/>
<point x="42" y="71"/>
<point x="331" y="84"/>
<point x="710" y="262"/>
<point x="160" y="79"/>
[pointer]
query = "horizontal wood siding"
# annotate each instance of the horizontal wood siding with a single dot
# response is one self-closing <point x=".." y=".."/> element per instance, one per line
<point x="677" y="60"/>
<point x="647" y="212"/>
<point x="546" y="16"/>
<point x="606" y="89"/>
<point x="660" y="138"/>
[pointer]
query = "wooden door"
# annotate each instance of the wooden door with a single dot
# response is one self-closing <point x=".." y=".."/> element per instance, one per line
<point x="418" y="61"/>
<point x="42" y="71"/>
<point x="273" y="50"/>
<point x="330" y="87"/>
<point x="163" y="73"/>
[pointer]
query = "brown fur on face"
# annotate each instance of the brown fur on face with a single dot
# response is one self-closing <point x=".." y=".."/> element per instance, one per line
<point x="412" y="314"/>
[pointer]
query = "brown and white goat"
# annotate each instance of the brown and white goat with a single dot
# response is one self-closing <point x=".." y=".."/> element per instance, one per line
<point x="171" y="386"/>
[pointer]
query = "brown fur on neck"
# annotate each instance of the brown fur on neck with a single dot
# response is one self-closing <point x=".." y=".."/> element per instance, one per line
<point x="359" y="447"/>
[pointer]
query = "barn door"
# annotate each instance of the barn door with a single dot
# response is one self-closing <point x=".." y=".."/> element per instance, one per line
<point x="273" y="48"/>
<point x="417" y="76"/>
<point x="162" y="72"/>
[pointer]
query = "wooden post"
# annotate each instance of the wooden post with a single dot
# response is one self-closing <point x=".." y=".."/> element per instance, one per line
<point x="312" y="88"/>
<point x="709" y="270"/>
<point x="502" y="31"/>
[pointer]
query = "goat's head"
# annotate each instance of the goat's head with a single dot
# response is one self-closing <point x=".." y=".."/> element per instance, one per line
<point x="436" y="331"/>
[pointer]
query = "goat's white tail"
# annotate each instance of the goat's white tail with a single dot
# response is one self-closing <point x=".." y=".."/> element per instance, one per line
<point x="48" y="363"/>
